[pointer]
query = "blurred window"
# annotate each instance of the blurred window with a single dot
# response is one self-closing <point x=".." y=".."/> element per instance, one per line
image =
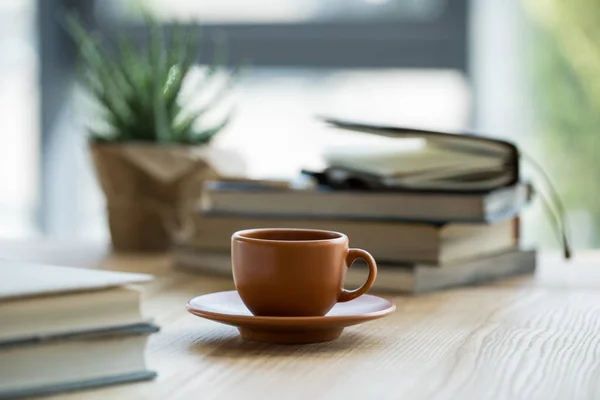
<point x="18" y="119"/>
<point x="281" y="11"/>
<point x="398" y="61"/>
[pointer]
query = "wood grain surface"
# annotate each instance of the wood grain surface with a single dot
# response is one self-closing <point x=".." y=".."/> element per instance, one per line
<point x="527" y="338"/>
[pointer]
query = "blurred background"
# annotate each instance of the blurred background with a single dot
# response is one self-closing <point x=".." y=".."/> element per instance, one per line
<point x="523" y="70"/>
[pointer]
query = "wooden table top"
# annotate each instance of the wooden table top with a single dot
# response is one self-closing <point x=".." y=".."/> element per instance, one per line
<point x="525" y="338"/>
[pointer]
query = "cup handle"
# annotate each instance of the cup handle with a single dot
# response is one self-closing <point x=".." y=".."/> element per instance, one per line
<point x="353" y="254"/>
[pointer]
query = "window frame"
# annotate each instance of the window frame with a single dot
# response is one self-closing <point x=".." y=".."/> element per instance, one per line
<point x="347" y="44"/>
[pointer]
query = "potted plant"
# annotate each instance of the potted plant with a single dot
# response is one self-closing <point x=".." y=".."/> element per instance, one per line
<point x="151" y="158"/>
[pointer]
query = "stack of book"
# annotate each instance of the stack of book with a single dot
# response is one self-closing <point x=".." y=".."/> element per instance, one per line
<point x="441" y="211"/>
<point x="64" y="329"/>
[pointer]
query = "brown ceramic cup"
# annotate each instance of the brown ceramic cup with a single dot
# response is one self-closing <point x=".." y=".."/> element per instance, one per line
<point x="294" y="272"/>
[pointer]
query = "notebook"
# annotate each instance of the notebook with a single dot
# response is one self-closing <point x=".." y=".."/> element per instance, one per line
<point x="38" y="300"/>
<point x="74" y="361"/>
<point x="387" y="241"/>
<point x="393" y="278"/>
<point x="323" y="202"/>
<point x="66" y="328"/>
<point x="421" y="160"/>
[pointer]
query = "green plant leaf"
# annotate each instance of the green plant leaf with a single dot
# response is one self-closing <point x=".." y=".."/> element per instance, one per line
<point x="138" y="90"/>
<point x="205" y="136"/>
<point x="132" y="67"/>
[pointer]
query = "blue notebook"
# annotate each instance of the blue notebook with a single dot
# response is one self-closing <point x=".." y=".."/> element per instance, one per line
<point x="79" y="385"/>
<point x="74" y="361"/>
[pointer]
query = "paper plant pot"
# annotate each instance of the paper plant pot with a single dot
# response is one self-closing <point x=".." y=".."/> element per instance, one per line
<point x="149" y="188"/>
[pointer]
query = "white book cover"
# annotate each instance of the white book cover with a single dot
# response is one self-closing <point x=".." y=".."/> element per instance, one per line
<point x="19" y="280"/>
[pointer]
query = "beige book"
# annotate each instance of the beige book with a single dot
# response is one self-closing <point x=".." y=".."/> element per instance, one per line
<point x="386" y="241"/>
<point x="393" y="278"/>
<point x="38" y="300"/>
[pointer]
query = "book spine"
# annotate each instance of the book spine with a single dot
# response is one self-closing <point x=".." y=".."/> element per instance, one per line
<point x="117" y="331"/>
<point x="79" y="385"/>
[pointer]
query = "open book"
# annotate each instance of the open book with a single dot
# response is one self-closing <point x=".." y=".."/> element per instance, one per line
<point x="422" y="160"/>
